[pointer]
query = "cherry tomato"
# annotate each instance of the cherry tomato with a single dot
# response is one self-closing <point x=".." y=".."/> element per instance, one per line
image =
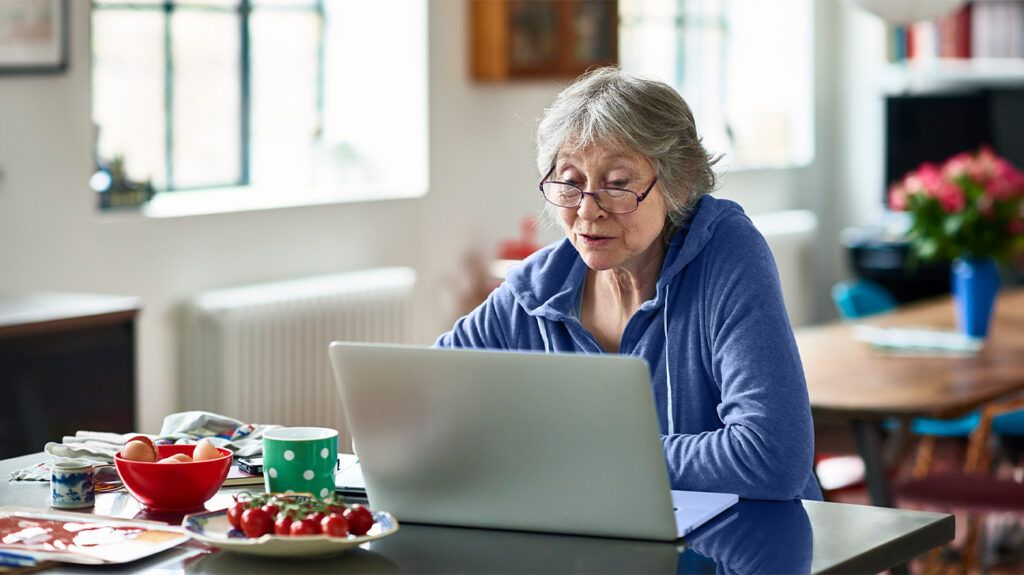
<point x="334" y="525"/>
<point x="272" y="508"/>
<point x="359" y="519"/>
<point x="283" y="525"/>
<point x="305" y="527"/>
<point x="235" y="514"/>
<point x="316" y="516"/>
<point x="256" y="522"/>
<point x="339" y="509"/>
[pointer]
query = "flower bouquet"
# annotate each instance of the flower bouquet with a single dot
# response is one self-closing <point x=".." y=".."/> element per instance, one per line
<point x="967" y="210"/>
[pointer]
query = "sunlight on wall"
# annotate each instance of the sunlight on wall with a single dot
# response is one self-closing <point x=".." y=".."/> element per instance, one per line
<point x="375" y="120"/>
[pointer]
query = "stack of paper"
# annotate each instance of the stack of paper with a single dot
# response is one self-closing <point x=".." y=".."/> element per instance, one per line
<point x="918" y="341"/>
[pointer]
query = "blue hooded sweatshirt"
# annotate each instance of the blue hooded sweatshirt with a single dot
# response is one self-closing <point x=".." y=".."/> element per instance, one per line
<point x="728" y="384"/>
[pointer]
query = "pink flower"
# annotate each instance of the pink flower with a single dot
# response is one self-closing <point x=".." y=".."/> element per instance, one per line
<point x="978" y="191"/>
<point x="1006" y="182"/>
<point x="984" y="165"/>
<point x="950" y="196"/>
<point x="929" y="178"/>
<point x="958" y="165"/>
<point x="898" y="197"/>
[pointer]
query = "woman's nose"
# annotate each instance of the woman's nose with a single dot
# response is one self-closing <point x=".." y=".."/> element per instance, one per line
<point x="588" y="208"/>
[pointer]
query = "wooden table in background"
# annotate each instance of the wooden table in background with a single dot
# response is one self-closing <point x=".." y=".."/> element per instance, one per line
<point x="849" y="381"/>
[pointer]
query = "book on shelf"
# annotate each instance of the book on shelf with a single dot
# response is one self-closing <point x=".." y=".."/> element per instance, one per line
<point x="950" y="36"/>
<point x="897" y="43"/>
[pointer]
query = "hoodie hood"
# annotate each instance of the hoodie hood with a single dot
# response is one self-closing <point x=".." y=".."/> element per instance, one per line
<point x="548" y="283"/>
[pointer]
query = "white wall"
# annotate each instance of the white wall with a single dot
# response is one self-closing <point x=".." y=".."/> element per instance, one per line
<point x="482" y="183"/>
<point x="862" y="59"/>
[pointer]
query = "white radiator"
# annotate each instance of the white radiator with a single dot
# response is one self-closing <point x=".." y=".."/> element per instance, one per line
<point x="259" y="353"/>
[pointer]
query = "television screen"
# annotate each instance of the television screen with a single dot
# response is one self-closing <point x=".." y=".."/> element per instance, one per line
<point x="933" y="127"/>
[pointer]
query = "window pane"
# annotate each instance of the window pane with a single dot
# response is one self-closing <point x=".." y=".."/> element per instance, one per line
<point x="648" y="38"/>
<point x="284" y="3"/>
<point x="770" y="102"/>
<point x="703" y="46"/>
<point x="285" y="78"/>
<point x="103" y="4"/>
<point x="744" y="66"/>
<point x="207" y="124"/>
<point x="128" y="86"/>
<point x="219" y="4"/>
<point x="375" y="136"/>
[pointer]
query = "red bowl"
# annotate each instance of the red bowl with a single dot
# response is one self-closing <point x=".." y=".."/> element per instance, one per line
<point x="174" y="486"/>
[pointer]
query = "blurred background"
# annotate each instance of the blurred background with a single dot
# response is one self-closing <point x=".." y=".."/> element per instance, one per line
<point x="199" y="154"/>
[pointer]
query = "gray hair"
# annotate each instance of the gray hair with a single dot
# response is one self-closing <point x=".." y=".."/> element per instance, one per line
<point x="611" y="107"/>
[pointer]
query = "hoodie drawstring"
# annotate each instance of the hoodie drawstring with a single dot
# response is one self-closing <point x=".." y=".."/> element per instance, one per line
<point x="543" y="334"/>
<point x="668" y="370"/>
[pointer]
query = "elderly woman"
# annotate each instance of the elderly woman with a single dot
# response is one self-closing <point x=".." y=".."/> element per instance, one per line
<point x="651" y="266"/>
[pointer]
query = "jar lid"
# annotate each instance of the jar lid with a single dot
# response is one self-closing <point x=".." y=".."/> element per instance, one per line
<point x="70" y="464"/>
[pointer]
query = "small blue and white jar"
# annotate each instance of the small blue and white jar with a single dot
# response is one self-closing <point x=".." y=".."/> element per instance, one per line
<point x="71" y="485"/>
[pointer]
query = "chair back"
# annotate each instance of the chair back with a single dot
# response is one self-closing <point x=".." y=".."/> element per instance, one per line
<point x="860" y="298"/>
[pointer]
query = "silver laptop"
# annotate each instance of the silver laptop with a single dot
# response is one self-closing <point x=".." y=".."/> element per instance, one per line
<point x="526" y="441"/>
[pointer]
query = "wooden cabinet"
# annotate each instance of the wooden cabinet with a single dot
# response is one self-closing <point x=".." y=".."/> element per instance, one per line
<point x="67" y="363"/>
<point x="513" y="39"/>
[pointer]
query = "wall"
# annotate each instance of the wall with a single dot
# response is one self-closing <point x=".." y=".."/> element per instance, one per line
<point x="862" y="59"/>
<point x="482" y="182"/>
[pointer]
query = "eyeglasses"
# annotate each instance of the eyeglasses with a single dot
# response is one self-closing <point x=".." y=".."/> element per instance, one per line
<point x="611" y="200"/>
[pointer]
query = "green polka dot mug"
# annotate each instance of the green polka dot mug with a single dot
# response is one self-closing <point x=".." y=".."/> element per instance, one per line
<point x="300" y="460"/>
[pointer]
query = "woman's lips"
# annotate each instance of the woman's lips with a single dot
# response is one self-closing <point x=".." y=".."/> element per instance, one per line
<point x="591" y="240"/>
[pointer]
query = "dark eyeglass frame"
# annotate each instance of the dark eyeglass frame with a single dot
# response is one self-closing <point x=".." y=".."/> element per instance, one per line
<point x="639" y="197"/>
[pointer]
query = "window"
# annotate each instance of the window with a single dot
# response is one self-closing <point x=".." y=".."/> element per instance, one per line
<point x="280" y="96"/>
<point x="744" y="66"/>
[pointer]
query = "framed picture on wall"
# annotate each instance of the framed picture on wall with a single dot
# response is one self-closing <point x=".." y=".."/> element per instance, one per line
<point x="33" y="36"/>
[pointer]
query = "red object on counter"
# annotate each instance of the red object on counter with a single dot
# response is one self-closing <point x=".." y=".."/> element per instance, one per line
<point x="521" y="248"/>
<point x="174" y="486"/>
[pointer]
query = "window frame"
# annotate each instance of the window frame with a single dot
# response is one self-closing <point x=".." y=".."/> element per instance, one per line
<point x="243" y="9"/>
<point x="687" y="22"/>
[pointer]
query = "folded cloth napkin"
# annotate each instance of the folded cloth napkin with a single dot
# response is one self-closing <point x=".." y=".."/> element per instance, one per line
<point x="187" y="427"/>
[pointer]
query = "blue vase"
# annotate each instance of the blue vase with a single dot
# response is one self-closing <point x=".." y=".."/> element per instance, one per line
<point x="975" y="285"/>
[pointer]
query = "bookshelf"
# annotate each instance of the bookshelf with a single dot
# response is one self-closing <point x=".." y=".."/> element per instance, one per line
<point x="984" y="29"/>
<point x="981" y="43"/>
<point x="952" y="73"/>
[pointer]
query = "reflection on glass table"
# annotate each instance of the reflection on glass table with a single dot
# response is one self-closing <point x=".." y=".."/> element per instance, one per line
<point x="757" y="537"/>
<point x="762" y="537"/>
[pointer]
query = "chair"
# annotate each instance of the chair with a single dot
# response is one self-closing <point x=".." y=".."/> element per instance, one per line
<point x="861" y="298"/>
<point x="974" y="490"/>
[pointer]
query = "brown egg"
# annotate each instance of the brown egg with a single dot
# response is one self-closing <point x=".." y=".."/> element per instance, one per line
<point x="176" y="458"/>
<point x="138" y="451"/>
<point x="205" y="450"/>
<point x="145" y="440"/>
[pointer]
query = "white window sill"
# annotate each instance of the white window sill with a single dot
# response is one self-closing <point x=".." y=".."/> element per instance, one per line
<point x="248" y="199"/>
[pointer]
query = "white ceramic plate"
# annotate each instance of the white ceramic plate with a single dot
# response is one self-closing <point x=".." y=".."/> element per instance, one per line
<point x="213" y="529"/>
